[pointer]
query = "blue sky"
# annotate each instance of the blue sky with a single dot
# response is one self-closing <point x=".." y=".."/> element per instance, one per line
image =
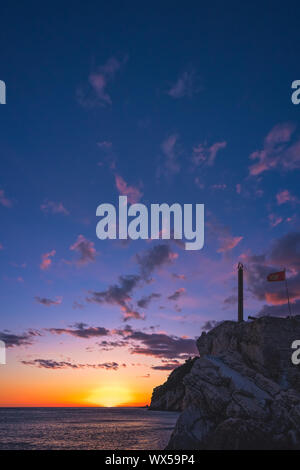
<point x="185" y="103"/>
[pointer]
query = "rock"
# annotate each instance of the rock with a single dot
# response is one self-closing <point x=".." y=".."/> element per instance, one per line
<point x="170" y="396"/>
<point x="241" y="393"/>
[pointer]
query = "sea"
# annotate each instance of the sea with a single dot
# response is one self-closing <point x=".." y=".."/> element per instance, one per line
<point x="85" y="428"/>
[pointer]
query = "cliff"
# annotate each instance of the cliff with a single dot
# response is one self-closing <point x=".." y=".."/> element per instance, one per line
<point x="170" y="396"/>
<point x="243" y="392"/>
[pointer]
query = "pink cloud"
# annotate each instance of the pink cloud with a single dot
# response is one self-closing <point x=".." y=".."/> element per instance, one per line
<point x="184" y="86"/>
<point x="285" y="196"/>
<point x="54" y="207"/>
<point x="238" y="188"/>
<point x="46" y="260"/>
<point x="99" y="81"/>
<point x="228" y="243"/>
<point x="277" y="151"/>
<point x="86" y="250"/>
<point x="279" y="298"/>
<point x="275" y="220"/>
<point x="205" y="154"/>
<point x="132" y="192"/>
<point x="4" y="201"/>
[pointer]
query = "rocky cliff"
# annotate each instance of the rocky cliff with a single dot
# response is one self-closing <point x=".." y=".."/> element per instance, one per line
<point x="170" y="396"/>
<point x="243" y="392"/>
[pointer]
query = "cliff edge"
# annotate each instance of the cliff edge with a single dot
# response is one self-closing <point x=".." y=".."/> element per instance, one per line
<point x="243" y="392"/>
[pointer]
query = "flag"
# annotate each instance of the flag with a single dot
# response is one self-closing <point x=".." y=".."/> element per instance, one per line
<point x="280" y="276"/>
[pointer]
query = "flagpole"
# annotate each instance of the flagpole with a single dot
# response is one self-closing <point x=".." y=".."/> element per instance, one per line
<point x="287" y="292"/>
<point x="240" y="293"/>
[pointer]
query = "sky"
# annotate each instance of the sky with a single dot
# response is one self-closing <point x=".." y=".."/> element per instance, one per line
<point x="186" y="102"/>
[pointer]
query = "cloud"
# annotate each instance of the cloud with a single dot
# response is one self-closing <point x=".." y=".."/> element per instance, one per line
<point x="274" y="220"/>
<point x="170" y="366"/>
<point x="54" y="207"/>
<point x="48" y="302"/>
<point x="279" y="310"/>
<point x="182" y="277"/>
<point x="285" y="196"/>
<point x="81" y="330"/>
<point x="230" y="300"/>
<point x="86" y="250"/>
<point x="184" y="86"/>
<point x="145" y="301"/>
<point x="178" y="293"/>
<point x="12" y="340"/>
<point x="119" y="294"/>
<point x="204" y="154"/>
<point x="51" y="364"/>
<point x="162" y="345"/>
<point x="132" y="192"/>
<point x="228" y="243"/>
<point x="284" y="252"/>
<point x="46" y="260"/>
<point x="277" y="151"/>
<point x="170" y="152"/>
<point x="4" y="201"/>
<point x="109" y="345"/>
<point x="210" y="324"/>
<point x="154" y="258"/>
<point x="97" y="93"/>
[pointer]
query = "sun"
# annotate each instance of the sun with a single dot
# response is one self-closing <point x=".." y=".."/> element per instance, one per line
<point x="110" y="396"/>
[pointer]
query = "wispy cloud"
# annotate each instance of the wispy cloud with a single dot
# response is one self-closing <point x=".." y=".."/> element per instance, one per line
<point x="133" y="193"/>
<point x="284" y="252"/>
<point x="81" y="330"/>
<point x="277" y="151"/>
<point x="119" y="294"/>
<point x="99" y="80"/>
<point x="86" y="249"/>
<point x="13" y="340"/>
<point x="155" y="257"/>
<point x="54" y="207"/>
<point x="52" y="364"/>
<point x="48" y="302"/>
<point x="228" y="243"/>
<point x="274" y="219"/>
<point x="162" y="345"/>
<point x="46" y="260"/>
<point x="145" y="301"/>
<point x="187" y="84"/>
<point x="204" y="154"/>
<point x="177" y="294"/>
<point x="170" y="164"/>
<point x="4" y="201"/>
<point x="285" y="196"/>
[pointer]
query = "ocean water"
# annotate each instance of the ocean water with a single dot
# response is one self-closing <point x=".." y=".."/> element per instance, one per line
<point x="85" y="428"/>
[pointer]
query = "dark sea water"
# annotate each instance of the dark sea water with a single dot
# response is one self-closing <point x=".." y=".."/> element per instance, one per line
<point x="85" y="428"/>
